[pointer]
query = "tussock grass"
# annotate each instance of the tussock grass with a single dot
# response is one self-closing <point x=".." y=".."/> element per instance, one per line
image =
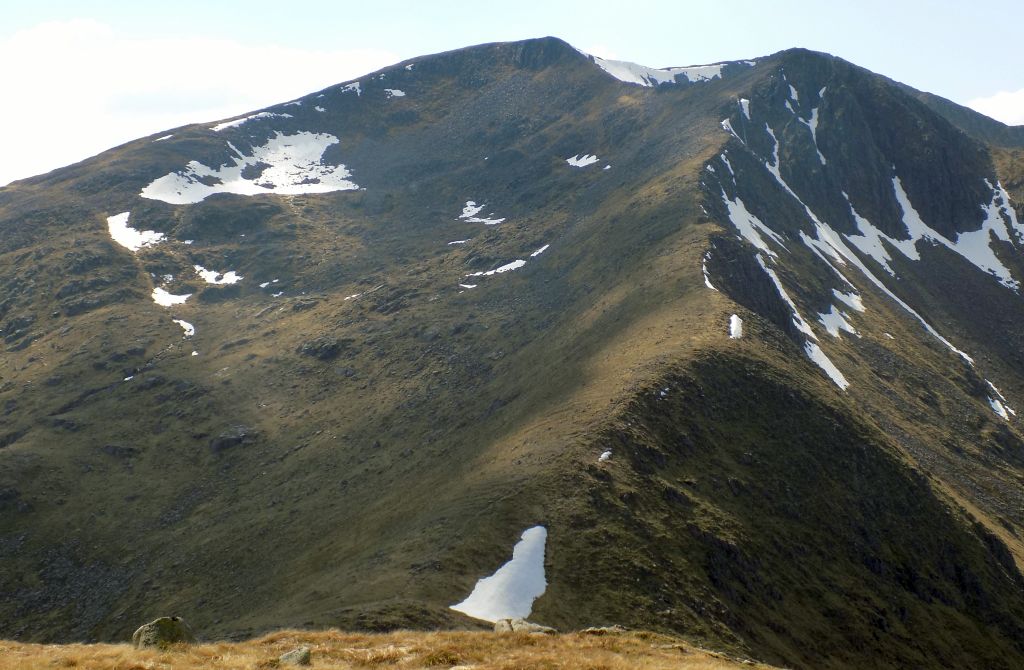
<point x="336" y="649"/>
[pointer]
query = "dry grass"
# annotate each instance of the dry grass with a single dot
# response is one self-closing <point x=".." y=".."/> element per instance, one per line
<point x="335" y="649"/>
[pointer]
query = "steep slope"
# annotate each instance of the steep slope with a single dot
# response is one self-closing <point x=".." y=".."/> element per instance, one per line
<point x="489" y="290"/>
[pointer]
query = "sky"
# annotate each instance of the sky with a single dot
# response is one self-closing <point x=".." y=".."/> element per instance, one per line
<point x="80" y="76"/>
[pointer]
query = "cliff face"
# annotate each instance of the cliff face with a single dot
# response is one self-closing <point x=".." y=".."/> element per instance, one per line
<point x="324" y="364"/>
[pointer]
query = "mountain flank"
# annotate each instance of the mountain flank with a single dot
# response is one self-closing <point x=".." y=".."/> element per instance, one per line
<point x="743" y="339"/>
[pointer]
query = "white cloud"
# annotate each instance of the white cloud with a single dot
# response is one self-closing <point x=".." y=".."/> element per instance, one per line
<point x="74" y="88"/>
<point x="1005" y="106"/>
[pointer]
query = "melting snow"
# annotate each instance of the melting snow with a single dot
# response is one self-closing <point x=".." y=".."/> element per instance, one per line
<point x="851" y="300"/>
<point x="348" y="88"/>
<point x="998" y="408"/>
<point x="130" y="238"/>
<point x="295" y="166"/>
<point x="974" y="246"/>
<point x="745" y="106"/>
<point x="735" y="327"/>
<point x="812" y="350"/>
<point x="540" y="251"/>
<point x="998" y="404"/>
<point x="510" y="592"/>
<point x="470" y="211"/>
<point x="394" y="93"/>
<point x="750" y="226"/>
<point x="319" y="108"/>
<point x="835" y="320"/>
<point x="189" y="329"/>
<point x="793" y="94"/>
<point x="829" y="241"/>
<point x="632" y="73"/>
<point x="214" y="277"/>
<point x="237" y="122"/>
<point x="584" y="161"/>
<point x="165" y="299"/>
<point x="704" y="269"/>
<point x="508" y="267"/>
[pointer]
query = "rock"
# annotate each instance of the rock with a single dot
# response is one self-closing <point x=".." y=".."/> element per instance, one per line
<point x="323" y="348"/>
<point x="521" y="626"/>
<point x="162" y="632"/>
<point x="232" y="437"/>
<point x="604" y="630"/>
<point x="300" y="656"/>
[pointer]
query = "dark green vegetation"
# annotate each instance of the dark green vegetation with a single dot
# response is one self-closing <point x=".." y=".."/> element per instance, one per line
<point x="361" y="462"/>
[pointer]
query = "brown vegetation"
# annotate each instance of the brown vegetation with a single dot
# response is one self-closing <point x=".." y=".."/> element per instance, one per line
<point x="336" y="649"/>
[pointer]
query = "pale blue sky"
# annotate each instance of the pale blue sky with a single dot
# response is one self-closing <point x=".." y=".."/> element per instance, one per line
<point x="206" y="54"/>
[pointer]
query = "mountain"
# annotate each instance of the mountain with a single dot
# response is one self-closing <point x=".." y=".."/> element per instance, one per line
<point x="731" y="351"/>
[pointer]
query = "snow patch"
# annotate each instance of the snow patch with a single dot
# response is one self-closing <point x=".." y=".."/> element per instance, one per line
<point x="214" y="277"/>
<point x="189" y="329"/>
<point x="294" y="165"/>
<point x="245" y="119"/>
<point x="704" y="270"/>
<point x="834" y="321"/>
<point x="605" y="456"/>
<point x="164" y="138"/>
<point x="749" y="226"/>
<point x="851" y="300"/>
<point x="394" y="93"/>
<point x="540" y="251"/>
<point x="319" y="108"/>
<point x="508" y="267"/>
<point x="812" y="350"/>
<point x="584" y="161"/>
<point x="745" y="107"/>
<point x="128" y="237"/>
<point x="165" y="299"/>
<point x="998" y="408"/>
<point x="735" y="327"/>
<point x="349" y="88"/>
<point x="509" y="593"/>
<point x="470" y="211"/>
<point x="633" y="73"/>
<point x="458" y="242"/>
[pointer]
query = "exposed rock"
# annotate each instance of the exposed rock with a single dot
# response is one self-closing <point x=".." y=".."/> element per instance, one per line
<point x="232" y="437"/>
<point x="521" y="626"/>
<point x="300" y="656"/>
<point x="604" y="630"/>
<point x="162" y="632"/>
<point x="323" y="348"/>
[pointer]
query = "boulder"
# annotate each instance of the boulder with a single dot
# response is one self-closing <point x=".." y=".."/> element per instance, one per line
<point x="162" y="632"/>
<point x="521" y="626"/>
<point x="604" y="630"/>
<point x="300" y="656"/>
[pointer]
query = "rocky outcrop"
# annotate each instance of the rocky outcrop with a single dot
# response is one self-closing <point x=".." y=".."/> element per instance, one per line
<point x="162" y="632"/>
<point x="300" y="656"/>
<point x="521" y="626"/>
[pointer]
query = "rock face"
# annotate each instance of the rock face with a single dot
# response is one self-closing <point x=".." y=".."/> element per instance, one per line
<point x="521" y="626"/>
<point x="300" y="656"/>
<point x="163" y="631"/>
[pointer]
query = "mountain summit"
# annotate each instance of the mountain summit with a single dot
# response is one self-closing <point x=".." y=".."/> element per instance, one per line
<point x="731" y="350"/>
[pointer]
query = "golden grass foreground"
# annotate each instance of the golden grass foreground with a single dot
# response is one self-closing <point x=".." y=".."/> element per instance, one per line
<point x="336" y="649"/>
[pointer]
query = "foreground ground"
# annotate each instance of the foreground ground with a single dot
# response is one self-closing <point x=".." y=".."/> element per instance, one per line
<point x="335" y="649"/>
